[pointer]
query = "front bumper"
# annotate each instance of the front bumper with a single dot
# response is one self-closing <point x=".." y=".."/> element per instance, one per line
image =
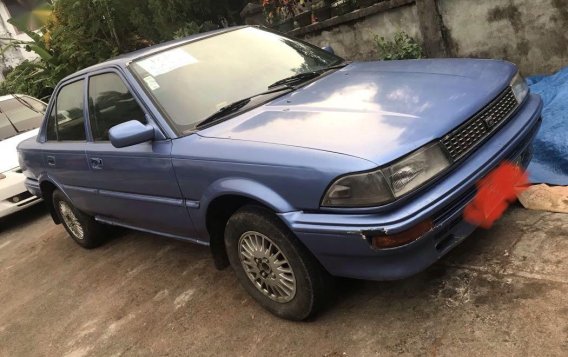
<point x="13" y="194"/>
<point x="338" y="242"/>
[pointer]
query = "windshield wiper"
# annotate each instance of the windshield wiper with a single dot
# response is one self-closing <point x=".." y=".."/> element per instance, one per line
<point x="305" y="76"/>
<point x="297" y="78"/>
<point x="281" y="85"/>
<point x="235" y="106"/>
<point x="26" y="104"/>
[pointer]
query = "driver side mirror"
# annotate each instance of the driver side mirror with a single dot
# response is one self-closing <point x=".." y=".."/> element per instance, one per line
<point x="328" y="49"/>
<point x="130" y="133"/>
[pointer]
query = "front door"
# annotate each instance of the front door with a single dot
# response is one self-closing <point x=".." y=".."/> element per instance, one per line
<point x="136" y="185"/>
<point x="64" y="148"/>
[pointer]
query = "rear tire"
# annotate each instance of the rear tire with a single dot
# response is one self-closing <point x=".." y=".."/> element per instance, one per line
<point x="83" y="229"/>
<point x="273" y="266"/>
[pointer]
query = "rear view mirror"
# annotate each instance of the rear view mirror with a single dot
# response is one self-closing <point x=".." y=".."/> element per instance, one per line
<point x="328" y="49"/>
<point x="130" y="133"/>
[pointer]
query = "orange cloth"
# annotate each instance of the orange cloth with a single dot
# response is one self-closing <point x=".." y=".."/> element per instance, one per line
<point x="495" y="192"/>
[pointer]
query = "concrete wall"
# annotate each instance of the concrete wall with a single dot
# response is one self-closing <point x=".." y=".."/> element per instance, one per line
<point x="531" y="33"/>
<point x="356" y="40"/>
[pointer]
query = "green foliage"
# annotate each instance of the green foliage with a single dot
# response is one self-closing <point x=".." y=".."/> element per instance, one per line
<point x="402" y="46"/>
<point x="78" y="33"/>
<point x="30" y="78"/>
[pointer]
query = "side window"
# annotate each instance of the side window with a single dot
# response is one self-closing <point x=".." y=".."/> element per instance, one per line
<point x="69" y="108"/>
<point x="110" y="104"/>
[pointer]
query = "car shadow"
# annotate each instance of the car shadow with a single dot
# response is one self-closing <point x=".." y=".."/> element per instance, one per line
<point x="22" y="218"/>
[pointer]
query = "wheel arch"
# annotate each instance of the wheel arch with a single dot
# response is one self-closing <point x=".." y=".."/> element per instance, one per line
<point x="47" y="188"/>
<point x="224" y="198"/>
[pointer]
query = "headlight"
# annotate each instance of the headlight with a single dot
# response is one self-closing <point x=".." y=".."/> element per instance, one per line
<point x="389" y="183"/>
<point x="520" y="88"/>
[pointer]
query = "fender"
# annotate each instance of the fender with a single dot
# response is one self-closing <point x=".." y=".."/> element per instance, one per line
<point x="240" y="187"/>
<point x="43" y="178"/>
<point x="65" y="189"/>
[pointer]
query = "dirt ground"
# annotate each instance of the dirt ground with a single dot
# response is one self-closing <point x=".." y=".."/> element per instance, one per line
<point x="503" y="292"/>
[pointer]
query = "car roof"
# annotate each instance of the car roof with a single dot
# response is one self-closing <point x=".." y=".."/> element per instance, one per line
<point x="126" y="58"/>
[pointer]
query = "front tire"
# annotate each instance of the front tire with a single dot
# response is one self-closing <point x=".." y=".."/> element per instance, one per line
<point x="273" y="266"/>
<point x="83" y="229"/>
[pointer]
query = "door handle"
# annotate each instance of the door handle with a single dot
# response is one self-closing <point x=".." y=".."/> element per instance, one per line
<point x="96" y="163"/>
<point x="51" y="160"/>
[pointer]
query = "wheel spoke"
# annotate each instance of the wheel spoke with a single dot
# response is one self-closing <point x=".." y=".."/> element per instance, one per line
<point x="288" y="278"/>
<point x="284" y="270"/>
<point x="285" y="283"/>
<point x="279" y="290"/>
<point x="248" y="250"/>
<point x="250" y="245"/>
<point x="70" y="220"/>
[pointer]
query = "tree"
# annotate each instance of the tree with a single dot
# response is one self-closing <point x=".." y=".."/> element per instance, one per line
<point x="78" y="33"/>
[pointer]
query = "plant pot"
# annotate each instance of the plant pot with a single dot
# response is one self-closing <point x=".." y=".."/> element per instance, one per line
<point x="322" y="13"/>
<point x="286" y="25"/>
<point x="304" y="19"/>
<point x="361" y="4"/>
<point x="341" y="7"/>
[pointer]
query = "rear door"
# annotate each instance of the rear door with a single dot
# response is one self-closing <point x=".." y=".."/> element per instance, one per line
<point x="64" y="147"/>
<point x="136" y="185"/>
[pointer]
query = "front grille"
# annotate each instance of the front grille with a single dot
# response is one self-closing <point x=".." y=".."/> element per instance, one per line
<point x="468" y="136"/>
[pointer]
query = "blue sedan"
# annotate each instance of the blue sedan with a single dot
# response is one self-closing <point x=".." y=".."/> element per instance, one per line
<point x="290" y="163"/>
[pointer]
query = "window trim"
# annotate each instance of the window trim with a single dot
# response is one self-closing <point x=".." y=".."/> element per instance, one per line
<point x="147" y="113"/>
<point x="53" y="106"/>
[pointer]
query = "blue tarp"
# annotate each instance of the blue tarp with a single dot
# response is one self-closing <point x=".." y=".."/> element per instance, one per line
<point x="550" y="158"/>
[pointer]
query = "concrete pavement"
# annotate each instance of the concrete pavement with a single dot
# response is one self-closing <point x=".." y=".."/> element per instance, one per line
<point x="503" y="292"/>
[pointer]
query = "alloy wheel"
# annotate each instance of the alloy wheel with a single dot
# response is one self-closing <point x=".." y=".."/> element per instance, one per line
<point x="267" y="267"/>
<point x="70" y="220"/>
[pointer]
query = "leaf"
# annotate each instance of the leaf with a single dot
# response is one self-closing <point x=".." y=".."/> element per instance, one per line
<point x="402" y="46"/>
<point x="41" y="52"/>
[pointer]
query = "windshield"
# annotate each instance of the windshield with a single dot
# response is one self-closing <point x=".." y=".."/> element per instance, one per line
<point x="17" y="117"/>
<point x="193" y="81"/>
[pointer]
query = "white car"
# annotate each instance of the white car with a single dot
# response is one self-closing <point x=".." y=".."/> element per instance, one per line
<point x="20" y="118"/>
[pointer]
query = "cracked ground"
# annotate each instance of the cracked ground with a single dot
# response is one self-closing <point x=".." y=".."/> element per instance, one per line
<point x="503" y="292"/>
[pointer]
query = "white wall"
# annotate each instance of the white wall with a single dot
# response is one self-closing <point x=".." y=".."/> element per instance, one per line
<point x="14" y="56"/>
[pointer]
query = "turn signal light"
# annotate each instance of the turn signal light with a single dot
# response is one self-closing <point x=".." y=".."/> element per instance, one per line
<point x="399" y="239"/>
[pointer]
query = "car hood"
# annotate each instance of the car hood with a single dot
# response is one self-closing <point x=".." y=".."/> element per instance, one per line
<point x="378" y="111"/>
<point x="9" y="154"/>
